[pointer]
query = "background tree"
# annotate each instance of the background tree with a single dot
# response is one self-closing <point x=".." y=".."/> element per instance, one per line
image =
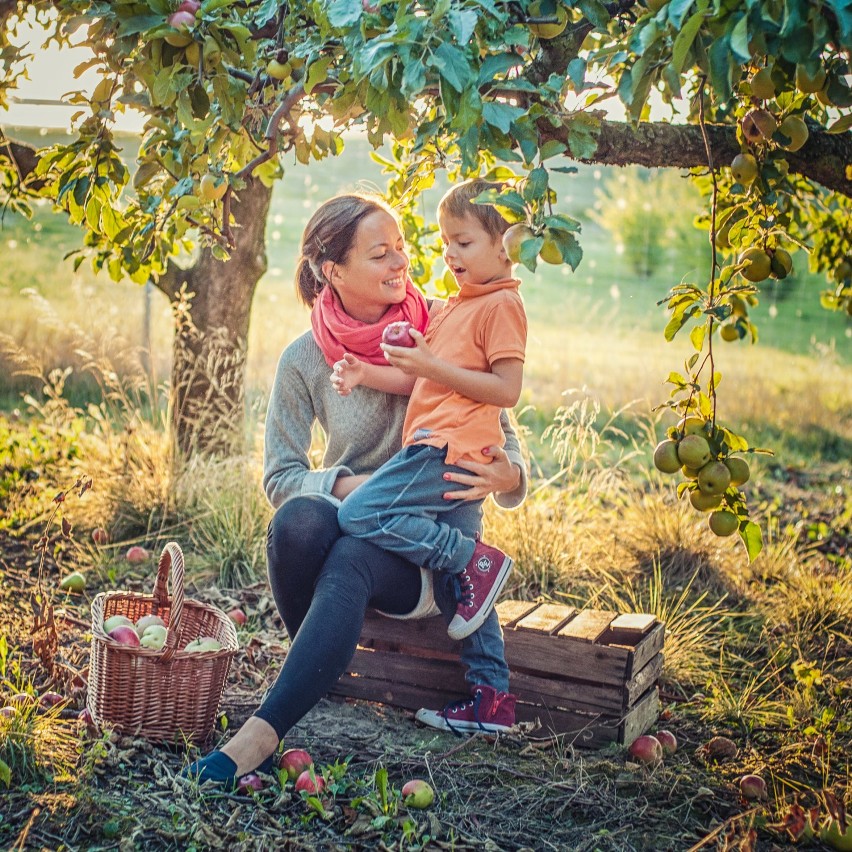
<point x="473" y="86"/>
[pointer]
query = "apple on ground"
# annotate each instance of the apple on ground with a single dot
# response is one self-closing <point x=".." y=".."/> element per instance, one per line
<point x="237" y="616"/>
<point x="8" y="712"/>
<point x="294" y="762"/>
<point x="753" y="787"/>
<point x="22" y="699"/>
<point x="137" y="554"/>
<point x="84" y="717"/>
<point x="249" y="784"/>
<point x="646" y="749"/>
<point x="117" y="621"/>
<point x="74" y="582"/>
<point x="50" y="699"/>
<point x="417" y="794"/>
<point x="668" y="741"/>
<point x="100" y="536"/>
<point x="125" y="635"/>
<point x="310" y="782"/>
<point x="154" y="637"/>
<point x="398" y="334"/>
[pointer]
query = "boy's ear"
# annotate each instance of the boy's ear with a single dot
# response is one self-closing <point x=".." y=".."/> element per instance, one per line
<point x="328" y="269"/>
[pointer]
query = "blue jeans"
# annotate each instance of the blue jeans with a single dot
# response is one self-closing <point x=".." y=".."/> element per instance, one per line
<point x="401" y="508"/>
<point x="320" y="578"/>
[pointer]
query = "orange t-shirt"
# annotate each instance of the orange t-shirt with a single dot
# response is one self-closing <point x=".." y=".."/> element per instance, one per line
<point x="477" y="327"/>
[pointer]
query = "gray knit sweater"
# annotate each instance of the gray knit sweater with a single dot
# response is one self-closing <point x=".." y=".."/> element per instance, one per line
<point x="362" y="432"/>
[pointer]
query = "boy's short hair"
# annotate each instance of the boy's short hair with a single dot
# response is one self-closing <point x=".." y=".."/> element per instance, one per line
<point x="458" y="202"/>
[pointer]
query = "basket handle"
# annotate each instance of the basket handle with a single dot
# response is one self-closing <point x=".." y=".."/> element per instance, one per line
<point x="171" y="562"/>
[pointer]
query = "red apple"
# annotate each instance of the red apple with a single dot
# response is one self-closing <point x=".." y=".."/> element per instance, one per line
<point x="137" y="554"/>
<point x="181" y="19"/>
<point x="22" y="699"/>
<point x="116" y="621"/>
<point x="294" y="762"/>
<point x="250" y="783"/>
<point x="50" y="699"/>
<point x="369" y="6"/>
<point x="668" y="741"/>
<point x="84" y="717"/>
<point x="100" y="536"/>
<point x="753" y="787"/>
<point x="398" y="334"/>
<point x="237" y="616"/>
<point x="646" y="749"/>
<point x="417" y="794"/>
<point x="191" y="6"/>
<point x="8" y="712"/>
<point x="125" y="636"/>
<point x="313" y="785"/>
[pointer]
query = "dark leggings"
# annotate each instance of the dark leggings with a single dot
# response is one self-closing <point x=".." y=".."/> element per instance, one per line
<point x="323" y="583"/>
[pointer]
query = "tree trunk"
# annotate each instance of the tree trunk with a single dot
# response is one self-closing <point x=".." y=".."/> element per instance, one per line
<point x="211" y="302"/>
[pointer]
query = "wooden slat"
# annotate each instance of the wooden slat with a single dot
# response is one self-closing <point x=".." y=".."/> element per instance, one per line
<point x="423" y="633"/>
<point x="650" y="645"/>
<point x="641" y="717"/>
<point x="632" y="623"/>
<point x="546" y="618"/>
<point x="547" y="656"/>
<point x="511" y="612"/>
<point x="568" y="694"/>
<point x="430" y="674"/>
<point x="588" y="625"/>
<point x="643" y="680"/>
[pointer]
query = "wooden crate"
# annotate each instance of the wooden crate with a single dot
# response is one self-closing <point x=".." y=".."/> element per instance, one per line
<point x="589" y="674"/>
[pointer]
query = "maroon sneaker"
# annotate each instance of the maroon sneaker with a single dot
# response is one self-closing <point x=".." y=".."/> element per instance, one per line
<point x="480" y="585"/>
<point x="486" y="711"/>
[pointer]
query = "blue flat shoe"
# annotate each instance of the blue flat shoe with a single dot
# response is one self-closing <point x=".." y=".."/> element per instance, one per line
<point x="218" y="767"/>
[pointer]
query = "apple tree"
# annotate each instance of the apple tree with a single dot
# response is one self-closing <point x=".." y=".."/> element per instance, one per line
<point x="514" y="90"/>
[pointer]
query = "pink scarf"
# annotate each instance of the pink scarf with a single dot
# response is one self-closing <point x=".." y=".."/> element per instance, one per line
<point x="336" y="332"/>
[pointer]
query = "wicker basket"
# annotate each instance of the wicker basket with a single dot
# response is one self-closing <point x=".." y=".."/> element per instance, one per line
<point x="164" y="695"/>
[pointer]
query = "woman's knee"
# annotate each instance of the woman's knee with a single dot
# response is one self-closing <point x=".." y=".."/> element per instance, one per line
<point x="302" y="521"/>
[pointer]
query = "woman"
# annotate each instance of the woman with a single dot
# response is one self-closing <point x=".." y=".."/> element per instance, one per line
<point x="353" y="273"/>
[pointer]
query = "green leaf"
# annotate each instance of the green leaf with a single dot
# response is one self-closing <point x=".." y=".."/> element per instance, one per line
<point x="740" y="39"/>
<point x="139" y="24"/>
<point x="677" y="322"/>
<point x="5" y="773"/>
<point x="595" y="12"/>
<point x="497" y="64"/>
<point x="317" y="73"/>
<point x="697" y="336"/>
<point x="752" y="537"/>
<point x="529" y="252"/>
<point x="536" y="184"/>
<point x="577" y="73"/>
<point x="684" y="39"/>
<point x="462" y="23"/>
<point x="842" y="124"/>
<point x="677" y="10"/>
<point x="452" y="65"/>
<point x="501" y="115"/>
<point x="344" y="13"/>
<point x="721" y="68"/>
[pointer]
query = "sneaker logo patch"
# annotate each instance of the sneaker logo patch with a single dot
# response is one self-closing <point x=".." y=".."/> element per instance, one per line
<point x="483" y="564"/>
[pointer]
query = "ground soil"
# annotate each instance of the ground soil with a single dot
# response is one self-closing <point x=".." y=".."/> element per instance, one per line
<point x="515" y="792"/>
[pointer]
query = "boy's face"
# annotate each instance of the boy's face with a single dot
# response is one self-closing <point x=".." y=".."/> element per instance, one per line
<point x="473" y="255"/>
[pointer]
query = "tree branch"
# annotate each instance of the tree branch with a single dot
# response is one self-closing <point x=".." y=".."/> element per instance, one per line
<point x="823" y="158"/>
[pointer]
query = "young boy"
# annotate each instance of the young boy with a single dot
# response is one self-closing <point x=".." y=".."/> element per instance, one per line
<point x="466" y="368"/>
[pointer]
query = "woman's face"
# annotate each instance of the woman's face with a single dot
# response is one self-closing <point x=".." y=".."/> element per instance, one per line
<point x="374" y="275"/>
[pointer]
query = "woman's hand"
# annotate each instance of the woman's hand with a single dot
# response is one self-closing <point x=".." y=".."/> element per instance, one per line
<point x="345" y="485"/>
<point x="501" y="476"/>
<point x="347" y="374"/>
